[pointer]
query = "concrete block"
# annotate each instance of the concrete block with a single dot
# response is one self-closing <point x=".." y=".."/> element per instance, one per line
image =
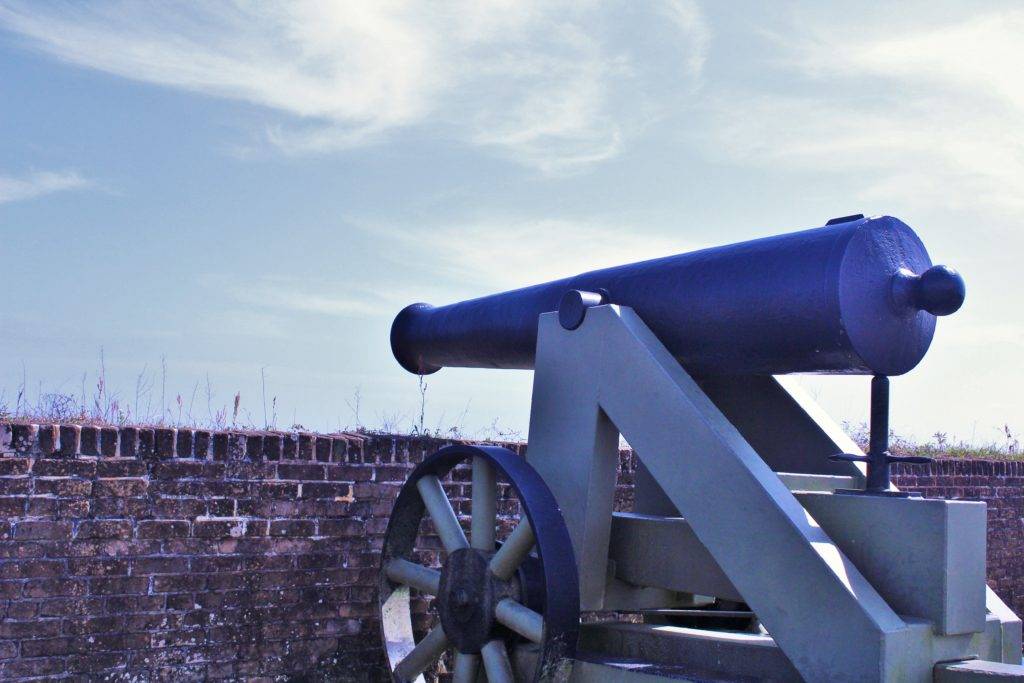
<point x="925" y="557"/>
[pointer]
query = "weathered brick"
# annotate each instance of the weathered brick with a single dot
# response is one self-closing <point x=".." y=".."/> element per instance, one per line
<point x="118" y="585"/>
<point x="89" y="443"/>
<point x="301" y="472"/>
<point x="236" y="446"/>
<point x="334" y="491"/>
<point x="305" y="451"/>
<point x="219" y="528"/>
<point x="183" y="443"/>
<point x="43" y="530"/>
<point x="254" y="446"/>
<point x="33" y="568"/>
<point x="106" y="528"/>
<point x="119" y="487"/>
<point x="220" y="446"/>
<point x="37" y="628"/>
<point x="49" y="439"/>
<point x="322" y="448"/>
<point x="15" y="466"/>
<point x="272" y="446"/>
<point x="98" y="566"/>
<point x="46" y="467"/>
<point x="164" y="442"/>
<point x="292" y="527"/>
<point x="201" y="444"/>
<point x="163" y="528"/>
<point x="146" y="447"/>
<point x="289" y="446"/>
<point x="24" y="437"/>
<point x="128" y="442"/>
<point x="108" y="442"/>
<point x="48" y="588"/>
<point x="257" y="567"/>
<point x="120" y="468"/>
<point x="70" y="440"/>
<point x="15" y="486"/>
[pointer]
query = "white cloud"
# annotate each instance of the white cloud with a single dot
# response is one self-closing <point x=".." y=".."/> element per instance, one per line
<point x="934" y="114"/>
<point x="13" y="189"/>
<point x="491" y="255"/>
<point x="290" y="295"/>
<point x="555" y="85"/>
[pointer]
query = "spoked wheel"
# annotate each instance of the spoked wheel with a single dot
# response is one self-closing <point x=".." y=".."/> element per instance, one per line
<point x="512" y="606"/>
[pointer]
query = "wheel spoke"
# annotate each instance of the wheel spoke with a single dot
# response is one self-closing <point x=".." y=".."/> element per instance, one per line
<point x="466" y="668"/>
<point x="421" y="578"/>
<point x="520" y="619"/>
<point x="440" y="509"/>
<point x="496" y="663"/>
<point x="426" y="652"/>
<point x="485" y="505"/>
<point x="513" y="552"/>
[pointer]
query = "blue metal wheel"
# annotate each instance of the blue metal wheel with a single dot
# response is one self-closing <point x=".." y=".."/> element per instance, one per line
<point x="509" y="606"/>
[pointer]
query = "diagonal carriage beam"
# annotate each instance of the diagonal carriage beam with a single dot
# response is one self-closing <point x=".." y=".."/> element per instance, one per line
<point x="819" y="608"/>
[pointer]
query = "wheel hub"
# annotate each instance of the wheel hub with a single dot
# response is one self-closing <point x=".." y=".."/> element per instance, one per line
<point x="467" y="598"/>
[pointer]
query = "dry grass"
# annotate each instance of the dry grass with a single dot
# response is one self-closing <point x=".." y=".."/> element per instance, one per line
<point x="96" y="404"/>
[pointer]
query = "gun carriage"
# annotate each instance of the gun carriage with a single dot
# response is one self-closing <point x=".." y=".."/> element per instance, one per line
<point x="763" y="544"/>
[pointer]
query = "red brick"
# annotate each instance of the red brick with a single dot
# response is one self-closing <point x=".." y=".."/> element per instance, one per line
<point x="14" y="486"/>
<point x="108" y="442"/>
<point x="10" y="467"/>
<point x="254" y="446"/>
<point x="119" y="487"/>
<point x="24" y="667"/>
<point x="49" y="439"/>
<point x="183" y="443"/>
<point x="24" y="437"/>
<point x="146" y="447"/>
<point x="292" y="527"/>
<point x="118" y="585"/>
<point x="163" y="528"/>
<point x="301" y="472"/>
<point x="163" y="442"/>
<point x="89" y="443"/>
<point x="70" y="440"/>
<point x="290" y="446"/>
<point x="46" y="588"/>
<point x="236" y="446"/>
<point x="272" y="446"/>
<point x="331" y="490"/>
<point x="64" y="468"/>
<point x="63" y="487"/>
<point x="50" y="531"/>
<point x="104" y="529"/>
<point x="37" y="628"/>
<point x="219" y="450"/>
<point x="128" y="442"/>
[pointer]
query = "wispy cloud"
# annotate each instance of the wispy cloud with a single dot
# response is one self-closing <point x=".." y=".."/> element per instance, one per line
<point x="291" y="295"/>
<point x="478" y="257"/>
<point x="554" y="85"/>
<point x="934" y="113"/>
<point x="32" y="185"/>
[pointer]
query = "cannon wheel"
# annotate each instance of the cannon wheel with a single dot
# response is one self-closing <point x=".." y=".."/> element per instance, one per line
<point x="493" y="598"/>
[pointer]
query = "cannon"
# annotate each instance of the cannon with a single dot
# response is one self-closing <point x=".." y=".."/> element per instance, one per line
<point x="854" y="297"/>
<point x="762" y="543"/>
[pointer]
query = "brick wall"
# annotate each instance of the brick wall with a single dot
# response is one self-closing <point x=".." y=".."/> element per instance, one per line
<point x="1000" y="484"/>
<point x="184" y="554"/>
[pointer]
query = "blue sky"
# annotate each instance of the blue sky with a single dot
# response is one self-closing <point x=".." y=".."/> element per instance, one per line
<point x="252" y="189"/>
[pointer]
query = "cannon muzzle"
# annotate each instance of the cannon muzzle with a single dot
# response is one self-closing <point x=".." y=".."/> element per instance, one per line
<point x="858" y="296"/>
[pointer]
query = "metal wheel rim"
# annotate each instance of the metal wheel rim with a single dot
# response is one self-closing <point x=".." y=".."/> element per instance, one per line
<point x="553" y="546"/>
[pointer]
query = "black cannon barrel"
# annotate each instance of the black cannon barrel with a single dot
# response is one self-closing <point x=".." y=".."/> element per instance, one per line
<point x="857" y="296"/>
